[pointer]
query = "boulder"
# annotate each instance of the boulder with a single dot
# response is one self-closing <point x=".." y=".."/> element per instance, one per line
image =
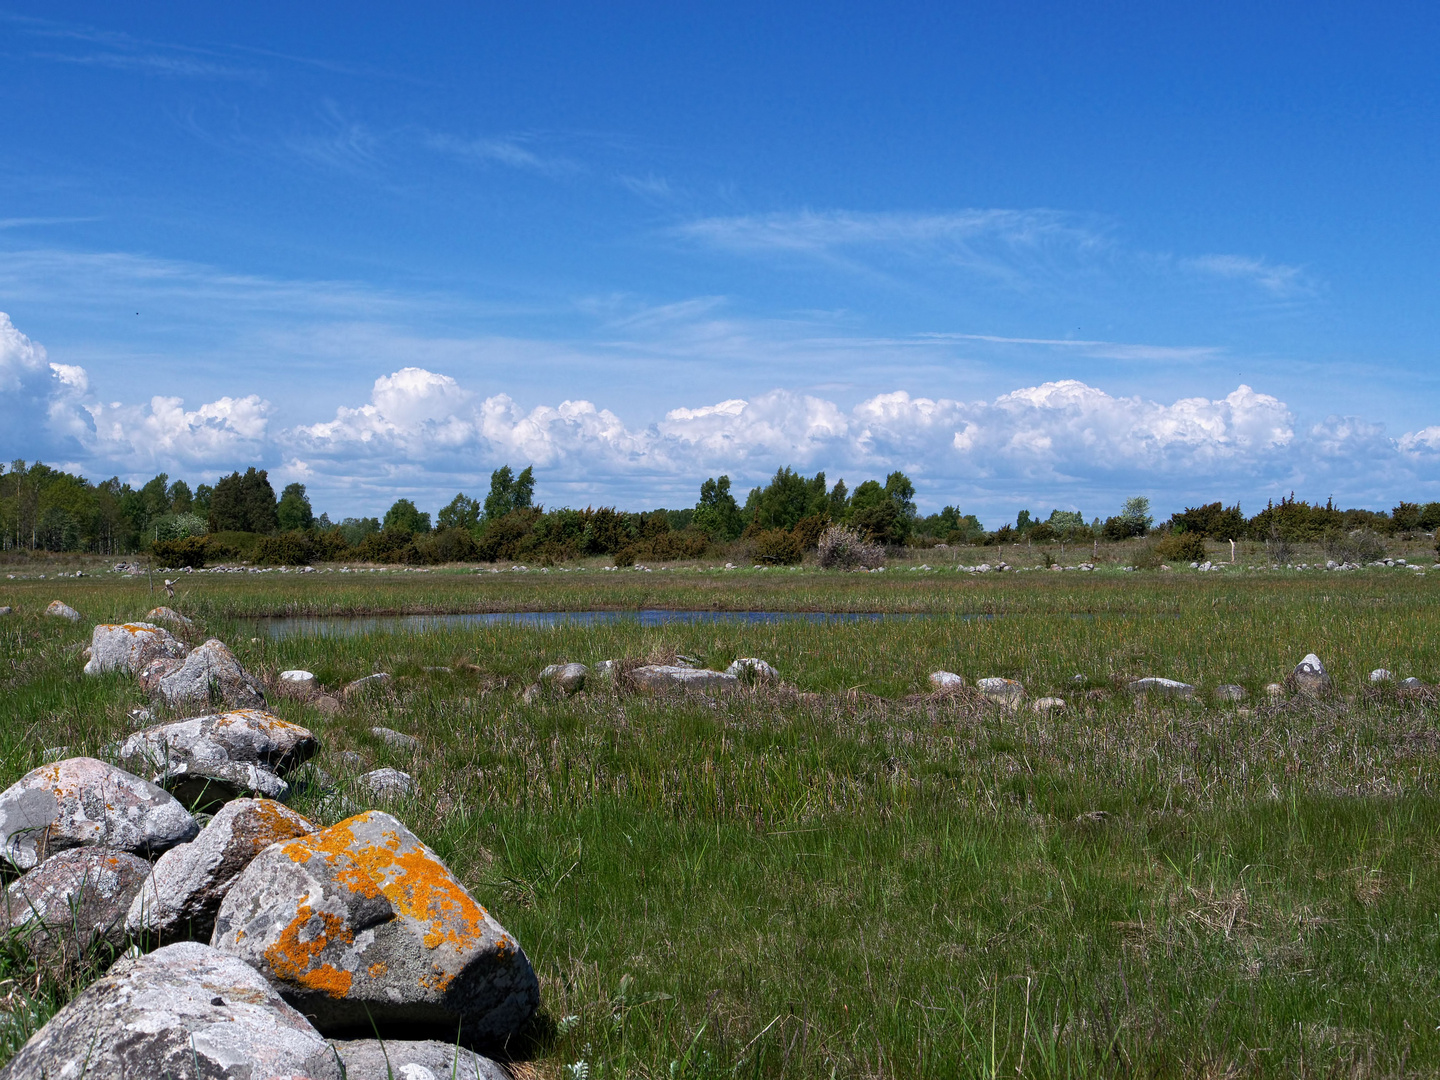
<point x="752" y="671"/>
<point x="63" y="611"/>
<point x="207" y="760"/>
<point x="387" y="783"/>
<point x="186" y="1010"/>
<point x="75" y="901"/>
<point x="1163" y="687"/>
<point x="945" y="680"/>
<point x="1230" y="692"/>
<point x="150" y="675"/>
<point x="567" y="678"/>
<point x="170" y="617"/>
<point x="297" y="684"/>
<point x="1007" y="693"/>
<point x="362" y="922"/>
<point x="182" y="893"/>
<point x="396" y="739"/>
<point x="81" y="802"/>
<point x="210" y="673"/>
<point x="405" y="1059"/>
<point x="128" y="647"/>
<point x="658" y="678"/>
<point x="1310" y="676"/>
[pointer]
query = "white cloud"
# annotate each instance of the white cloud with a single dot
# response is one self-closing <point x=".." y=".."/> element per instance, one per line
<point x="1422" y="442"/>
<point x="1275" y="278"/>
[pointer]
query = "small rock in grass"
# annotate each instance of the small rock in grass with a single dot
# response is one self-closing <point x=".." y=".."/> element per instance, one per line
<point x="75" y="901"/>
<point x="350" y="759"/>
<point x="183" y="892"/>
<point x="662" y="677"/>
<point x="1411" y="683"/>
<point x="1167" y="687"/>
<point x="387" y="783"/>
<point x="1274" y="690"/>
<point x="326" y="704"/>
<point x="1048" y="704"/>
<point x="1380" y="675"/>
<point x="752" y="671"/>
<point x="297" y="684"/>
<point x="6" y="610"/>
<point x="399" y="740"/>
<point x="362" y="923"/>
<point x="402" y="1059"/>
<point x="945" y="680"/>
<point x="567" y="678"/>
<point x="1229" y="692"/>
<point x="128" y="647"/>
<point x="164" y="1014"/>
<point x="81" y="802"/>
<point x="367" y="684"/>
<point x="170" y="617"/>
<point x="1310" y="676"/>
<point x="1007" y="693"/>
<point x="63" y="611"/>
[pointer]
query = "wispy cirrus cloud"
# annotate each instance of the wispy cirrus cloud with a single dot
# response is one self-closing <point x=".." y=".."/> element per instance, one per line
<point x="513" y="151"/>
<point x="1277" y="279"/>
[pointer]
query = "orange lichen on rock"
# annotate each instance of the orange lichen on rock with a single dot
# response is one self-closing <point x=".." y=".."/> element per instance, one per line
<point x="293" y="958"/>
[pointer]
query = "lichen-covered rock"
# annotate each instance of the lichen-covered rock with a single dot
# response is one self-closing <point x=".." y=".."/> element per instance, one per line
<point x="182" y="893"/>
<point x="164" y="1014"/>
<point x="170" y="617"/>
<point x="945" y="680"/>
<point x="210" y="674"/>
<point x="81" y="802"/>
<point x="1163" y="687"/>
<point x="74" y="902"/>
<point x="1007" y="693"/>
<point x="207" y="760"/>
<point x="661" y="677"/>
<point x="63" y="611"/>
<point x="362" y="921"/>
<point x="750" y="670"/>
<point x="405" y="1059"/>
<point x="567" y="678"/>
<point x="1310" y="676"/>
<point x="129" y="647"/>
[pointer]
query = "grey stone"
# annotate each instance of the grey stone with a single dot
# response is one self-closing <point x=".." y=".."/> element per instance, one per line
<point x="81" y="802"/>
<point x="370" y="683"/>
<point x="945" y="680"/>
<point x="63" y="611"/>
<point x="6" y="610"/>
<point x="387" y="783"/>
<point x="662" y="677"/>
<point x="170" y="617"/>
<point x="1164" y="687"/>
<point x="161" y="1015"/>
<point x="350" y="759"/>
<point x="74" y="902"/>
<point x="397" y="739"/>
<point x="404" y="1059"/>
<point x="297" y="684"/>
<point x="1230" y="692"/>
<point x="750" y="670"/>
<point x="362" y="921"/>
<point x="210" y="759"/>
<point x="1310" y="676"/>
<point x="1007" y="693"/>
<point x="568" y="678"/>
<point x="1380" y="675"/>
<point x="128" y="647"/>
<point x="211" y="674"/>
<point x="1411" y="683"/>
<point x="1048" y="704"/>
<point x="181" y="895"/>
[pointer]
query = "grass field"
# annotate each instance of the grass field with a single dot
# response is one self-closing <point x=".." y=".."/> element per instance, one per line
<point x="854" y="878"/>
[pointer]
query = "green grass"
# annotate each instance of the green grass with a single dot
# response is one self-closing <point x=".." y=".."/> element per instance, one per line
<point x="880" y="883"/>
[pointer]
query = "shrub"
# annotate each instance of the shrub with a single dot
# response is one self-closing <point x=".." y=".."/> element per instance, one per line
<point x="776" y="546"/>
<point x="1360" y="546"/>
<point x="845" y="549"/>
<point x="287" y="549"/>
<point x="454" y="544"/>
<point x="1181" y="547"/>
<point x="186" y="551"/>
<point x="388" y="546"/>
<point x="808" y="530"/>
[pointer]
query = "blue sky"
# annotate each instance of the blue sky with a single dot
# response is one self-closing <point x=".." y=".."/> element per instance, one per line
<point x="1037" y="256"/>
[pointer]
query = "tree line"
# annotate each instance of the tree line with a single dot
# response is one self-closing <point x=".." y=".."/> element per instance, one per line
<point x="240" y="516"/>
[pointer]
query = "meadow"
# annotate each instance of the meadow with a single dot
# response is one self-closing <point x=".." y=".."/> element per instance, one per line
<point x="850" y="876"/>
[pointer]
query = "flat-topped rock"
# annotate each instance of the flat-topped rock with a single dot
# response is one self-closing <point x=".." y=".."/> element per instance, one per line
<point x="362" y="923"/>
<point x="1163" y="687"/>
<point x="128" y="647"/>
<point x="752" y="671"/>
<point x="567" y="678"/>
<point x="81" y="802"/>
<point x="296" y="683"/>
<point x="658" y="678"/>
<point x="210" y="674"/>
<point x="164" y="1014"/>
<point x="218" y="757"/>
<point x="74" y="902"/>
<point x="1310" y="676"/>
<point x="945" y="680"/>
<point x="407" y="1059"/>
<point x="63" y="611"/>
<point x="1007" y="693"/>
<point x="181" y="895"/>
